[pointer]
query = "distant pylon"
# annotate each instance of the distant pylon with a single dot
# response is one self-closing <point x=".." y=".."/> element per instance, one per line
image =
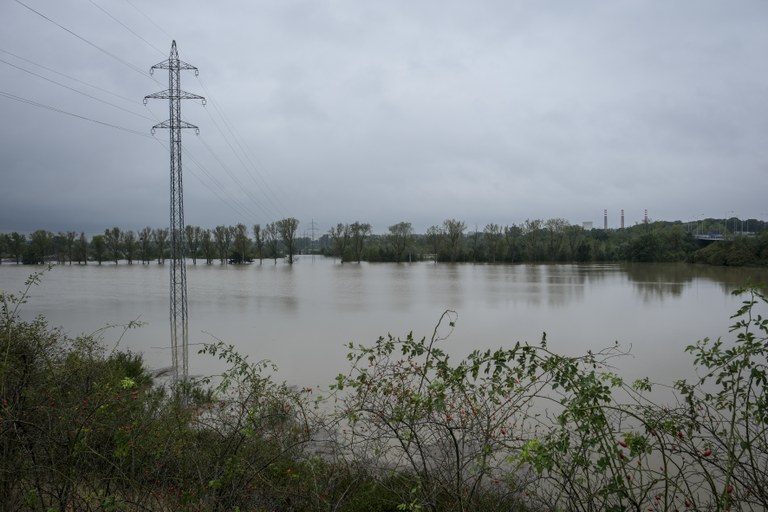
<point x="312" y="229"/>
<point x="179" y="312"/>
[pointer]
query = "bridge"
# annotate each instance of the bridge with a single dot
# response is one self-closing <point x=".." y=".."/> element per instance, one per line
<point x="719" y="236"/>
<point x="711" y="236"/>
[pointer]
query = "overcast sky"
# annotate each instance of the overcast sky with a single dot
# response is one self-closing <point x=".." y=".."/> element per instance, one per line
<point x="385" y="111"/>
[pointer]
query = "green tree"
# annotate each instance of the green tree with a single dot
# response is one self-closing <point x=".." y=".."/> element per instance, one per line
<point x="40" y="246"/>
<point x="492" y="234"/>
<point x="512" y="237"/>
<point x="4" y="244"/>
<point x="145" y="244"/>
<point x="241" y="244"/>
<point x="98" y="247"/>
<point x="359" y="231"/>
<point x="192" y="235"/>
<point x="583" y="251"/>
<point x="287" y="229"/>
<point x="555" y="229"/>
<point x="60" y="247"/>
<point x="113" y="239"/>
<point x="208" y="246"/>
<point x="340" y="240"/>
<point x="223" y="238"/>
<point x="531" y="234"/>
<point x="81" y="249"/>
<point x="434" y="237"/>
<point x="400" y="239"/>
<point x="644" y="248"/>
<point x="128" y="241"/>
<point x="454" y="232"/>
<point x="160" y="237"/>
<point x="70" y="240"/>
<point x="574" y="236"/>
<point x="272" y="240"/>
<point x="18" y="243"/>
<point x="477" y="249"/>
<point x="258" y="241"/>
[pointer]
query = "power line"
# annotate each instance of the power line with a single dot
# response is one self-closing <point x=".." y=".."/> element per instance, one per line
<point x="268" y="192"/>
<point x="234" y="178"/>
<point x="72" y="114"/>
<point x="126" y="27"/>
<point x="130" y="100"/>
<point x="238" y="208"/>
<point x="94" y="45"/>
<point x="264" y="187"/>
<point x="149" y="19"/>
<point x="75" y="90"/>
<point x="224" y="196"/>
<point x="233" y="202"/>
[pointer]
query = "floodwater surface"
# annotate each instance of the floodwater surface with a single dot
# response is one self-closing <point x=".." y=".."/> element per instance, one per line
<point x="301" y="317"/>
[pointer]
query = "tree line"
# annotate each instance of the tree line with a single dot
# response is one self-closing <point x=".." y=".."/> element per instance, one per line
<point x="227" y="244"/>
<point x="531" y="241"/>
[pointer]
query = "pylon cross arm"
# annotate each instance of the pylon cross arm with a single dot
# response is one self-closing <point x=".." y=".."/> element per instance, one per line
<point x="182" y="124"/>
<point x="173" y="64"/>
<point x="169" y="94"/>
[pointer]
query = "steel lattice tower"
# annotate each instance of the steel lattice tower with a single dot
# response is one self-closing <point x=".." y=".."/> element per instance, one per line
<point x="179" y="312"/>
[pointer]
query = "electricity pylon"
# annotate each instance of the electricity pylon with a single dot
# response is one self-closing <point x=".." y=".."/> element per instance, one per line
<point x="179" y="313"/>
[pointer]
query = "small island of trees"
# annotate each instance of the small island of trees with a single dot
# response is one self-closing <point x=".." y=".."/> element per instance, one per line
<point x="708" y="241"/>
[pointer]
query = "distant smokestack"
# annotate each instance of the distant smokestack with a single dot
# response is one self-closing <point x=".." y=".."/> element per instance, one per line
<point x="622" y="218"/>
<point x="645" y="216"/>
<point x="605" y="219"/>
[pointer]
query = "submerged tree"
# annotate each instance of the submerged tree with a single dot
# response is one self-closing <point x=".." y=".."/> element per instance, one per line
<point x="287" y="229"/>
<point x="81" y="249"/>
<point x="359" y="231"/>
<point x="98" y="247"/>
<point x="129" y="245"/>
<point x="208" y="246"/>
<point x="242" y="244"/>
<point x="400" y="238"/>
<point x="160" y="237"/>
<point x="112" y="237"/>
<point x="145" y="244"/>
<point x="222" y="236"/>
<point x="40" y="246"/>
<point x="192" y="235"/>
<point x="492" y="233"/>
<point x="70" y="238"/>
<point x="16" y="245"/>
<point x="272" y="240"/>
<point x="454" y="231"/>
<point x="434" y="238"/>
<point x="339" y="239"/>
<point x="258" y="242"/>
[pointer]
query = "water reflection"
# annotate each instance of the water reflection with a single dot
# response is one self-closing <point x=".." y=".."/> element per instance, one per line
<point x="533" y="285"/>
<point x="400" y="284"/>
<point x="444" y="285"/>
<point x="657" y="281"/>
<point x="564" y="284"/>
<point x="348" y="286"/>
